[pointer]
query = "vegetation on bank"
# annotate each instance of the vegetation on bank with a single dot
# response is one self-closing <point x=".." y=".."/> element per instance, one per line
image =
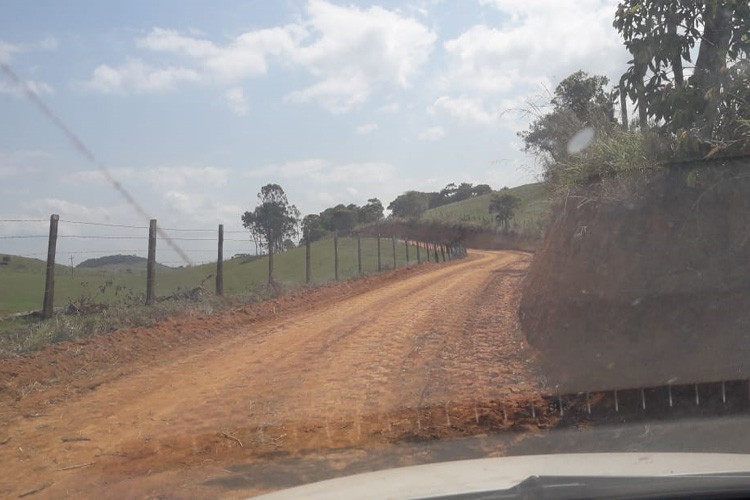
<point x="681" y="114"/>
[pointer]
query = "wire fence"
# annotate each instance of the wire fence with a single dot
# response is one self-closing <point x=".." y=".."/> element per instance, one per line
<point x="101" y="262"/>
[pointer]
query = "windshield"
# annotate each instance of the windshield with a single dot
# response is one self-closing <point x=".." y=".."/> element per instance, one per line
<point x="249" y="246"/>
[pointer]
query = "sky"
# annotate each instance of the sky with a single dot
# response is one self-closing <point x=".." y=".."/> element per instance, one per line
<point x="193" y="106"/>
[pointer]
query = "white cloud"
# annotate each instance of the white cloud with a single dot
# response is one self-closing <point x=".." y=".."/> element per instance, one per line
<point x="464" y="109"/>
<point x="245" y="56"/>
<point x="393" y="107"/>
<point x="137" y="76"/>
<point x="166" y="40"/>
<point x="361" y="47"/>
<point x="348" y="51"/>
<point x="537" y="41"/>
<point x="432" y="134"/>
<point x="71" y="210"/>
<point x="367" y="128"/>
<point x="23" y="161"/>
<point x="289" y="169"/>
<point x="49" y="43"/>
<point x="160" y="178"/>
<point x="337" y="95"/>
<point x="324" y="172"/>
<point x="8" y="171"/>
<point x="201" y="209"/>
<point x="7" y="50"/>
<point x="236" y="100"/>
<point x="364" y="172"/>
<point x="37" y="87"/>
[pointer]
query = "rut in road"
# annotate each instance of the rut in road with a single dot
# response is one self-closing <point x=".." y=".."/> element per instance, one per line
<point x="444" y="337"/>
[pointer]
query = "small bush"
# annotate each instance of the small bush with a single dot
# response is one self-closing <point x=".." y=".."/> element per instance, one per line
<point x="613" y="153"/>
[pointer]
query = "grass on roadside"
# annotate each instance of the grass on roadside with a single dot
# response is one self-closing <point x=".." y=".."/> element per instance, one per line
<point x="22" y="281"/>
<point x="243" y="283"/>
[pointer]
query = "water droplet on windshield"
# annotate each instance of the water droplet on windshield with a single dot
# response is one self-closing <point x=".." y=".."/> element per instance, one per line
<point x="581" y="140"/>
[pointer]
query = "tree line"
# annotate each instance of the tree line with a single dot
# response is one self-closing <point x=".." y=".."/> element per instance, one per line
<point x="275" y="223"/>
<point x="414" y="203"/>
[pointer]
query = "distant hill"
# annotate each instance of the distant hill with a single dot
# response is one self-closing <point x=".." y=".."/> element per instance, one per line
<point x="118" y="263"/>
<point x="529" y="218"/>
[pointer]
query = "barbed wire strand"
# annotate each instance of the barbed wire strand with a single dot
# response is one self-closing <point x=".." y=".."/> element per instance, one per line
<point x="23" y="220"/>
<point x="22" y="236"/>
<point x="103" y="224"/>
<point x="85" y="152"/>
<point x="126" y="226"/>
<point x="113" y="251"/>
<point x="101" y="237"/>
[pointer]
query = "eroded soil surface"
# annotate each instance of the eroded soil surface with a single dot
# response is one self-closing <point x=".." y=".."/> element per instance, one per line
<point x="429" y="354"/>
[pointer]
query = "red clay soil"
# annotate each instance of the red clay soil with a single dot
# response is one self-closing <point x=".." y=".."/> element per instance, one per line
<point x="648" y="287"/>
<point x="423" y="353"/>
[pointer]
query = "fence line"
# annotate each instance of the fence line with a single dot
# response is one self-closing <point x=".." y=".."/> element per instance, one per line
<point x="444" y="251"/>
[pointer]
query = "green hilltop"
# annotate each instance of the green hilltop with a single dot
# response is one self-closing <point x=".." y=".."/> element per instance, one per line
<point x="529" y="218"/>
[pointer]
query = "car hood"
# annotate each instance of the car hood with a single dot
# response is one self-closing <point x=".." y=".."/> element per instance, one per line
<point x="492" y="474"/>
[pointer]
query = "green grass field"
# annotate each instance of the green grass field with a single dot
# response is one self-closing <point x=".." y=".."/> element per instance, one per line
<point x="529" y="218"/>
<point x="22" y="281"/>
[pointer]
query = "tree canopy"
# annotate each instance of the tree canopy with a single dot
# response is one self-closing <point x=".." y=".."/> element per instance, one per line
<point x="371" y="212"/>
<point x="312" y="229"/>
<point x="579" y="101"/>
<point x="410" y="205"/>
<point x="503" y="206"/>
<point x="273" y="220"/>
<point x="341" y="219"/>
<point x="709" y="105"/>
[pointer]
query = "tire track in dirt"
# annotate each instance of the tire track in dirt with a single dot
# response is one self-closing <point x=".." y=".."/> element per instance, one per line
<point x="426" y="340"/>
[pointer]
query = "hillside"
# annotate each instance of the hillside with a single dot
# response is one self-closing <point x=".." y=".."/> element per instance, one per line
<point x="118" y="263"/>
<point x="22" y="279"/>
<point x="529" y="217"/>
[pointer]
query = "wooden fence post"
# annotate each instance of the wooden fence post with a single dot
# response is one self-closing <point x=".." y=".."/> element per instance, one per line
<point x="336" y="255"/>
<point x="393" y="241"/>
<point x="380" y="266"/>
<point x="49" y="283"/>
<point x="308" y="271"/>
<point x="151" y="263"/>
<point x="419" y="257"/>
<point x="359" y="254"/>
<point x="406" y="244"/>
<point x="220" y="263"/>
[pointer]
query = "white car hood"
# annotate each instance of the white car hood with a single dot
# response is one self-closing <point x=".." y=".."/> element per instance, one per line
<point x="487" y="474"/>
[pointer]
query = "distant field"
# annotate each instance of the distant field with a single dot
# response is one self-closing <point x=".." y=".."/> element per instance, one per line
<point x="529" y="216"/>
<point x="22" y="282"/>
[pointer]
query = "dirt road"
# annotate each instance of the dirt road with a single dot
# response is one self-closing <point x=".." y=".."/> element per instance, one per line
<point x="420" y="352"/>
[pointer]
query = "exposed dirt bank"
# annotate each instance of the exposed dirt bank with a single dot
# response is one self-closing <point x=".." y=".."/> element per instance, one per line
<point x="648" y="288"/>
